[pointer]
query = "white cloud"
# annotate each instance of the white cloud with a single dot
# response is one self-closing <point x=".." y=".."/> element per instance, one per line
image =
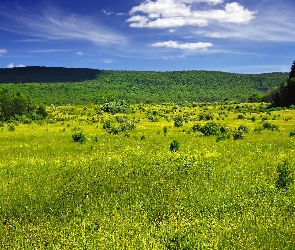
<point x="183" y="46"/>
<point x="3" y="51"/>
<point x="11" y="65"/>
<point x="108" y="13"/>
<point x="80" y="53"/>
<point x="178" y="13"/>
<point x="264" y="28"/>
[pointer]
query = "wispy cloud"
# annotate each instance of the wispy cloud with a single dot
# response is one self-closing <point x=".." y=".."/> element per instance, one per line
<point x="108" y="13"/>
<point x="183" y="46"/>
<point x="272" y="24"/>
<point x="79" y="53"/>
<point x="179" y="13"/>
<point x="3" y="51"/>
<point x="11" y="65"/>
<point x="49" y="50"/>
<point x="57" y="25"/>
<point x="108" y="61"/>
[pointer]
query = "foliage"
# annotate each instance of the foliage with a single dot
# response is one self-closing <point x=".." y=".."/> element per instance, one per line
<point x="284" y="178"/>
<point x="79" y="137"/>
<point x="13" y="105"/>
<point x="285" y="95"/>
<point x="119" y="125"/>
<point x="238" y="135"/>
<point x="116" y="107"/>
<point x="178" y="121"/>
<point x="101" y="86"/>
<point x="210" y="128"/>
<point x="196" y="127"/>
<point x="268" y="125"/>
<point x="174" y="146"/>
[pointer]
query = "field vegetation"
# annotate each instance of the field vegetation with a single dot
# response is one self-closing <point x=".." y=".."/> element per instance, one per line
<point x="149" y="176"/>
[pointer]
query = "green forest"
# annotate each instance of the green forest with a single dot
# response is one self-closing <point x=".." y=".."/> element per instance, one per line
<point x="62" y="86"/>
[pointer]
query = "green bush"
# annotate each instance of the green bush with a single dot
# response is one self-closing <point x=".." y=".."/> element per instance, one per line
<point x="243" y="128"/>
<point x="238" y="135"/>
<point x="196" y="127"/>
<point x="210" y="128"/>
<point x="270" y="126"/>
<point x="11" y="127"/>
<point x="292" y="134"/>
<point x="79" y="137"/>
<point x="178" y="121"/>
<point x="284" y="179"/>
<point x="205" y="117"/>
<point x="174" y="146"/>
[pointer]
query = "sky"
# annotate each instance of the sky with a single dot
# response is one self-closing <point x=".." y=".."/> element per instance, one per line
<point x="239" y="36"/>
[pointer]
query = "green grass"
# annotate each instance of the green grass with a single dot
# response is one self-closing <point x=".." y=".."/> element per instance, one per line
<point x="125" y="192"/>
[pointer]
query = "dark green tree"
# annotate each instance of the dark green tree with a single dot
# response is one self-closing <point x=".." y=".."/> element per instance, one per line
<point x="285" y="95"/>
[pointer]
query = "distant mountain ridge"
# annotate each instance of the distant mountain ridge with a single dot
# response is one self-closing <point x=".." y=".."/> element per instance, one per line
<point x="43" y="74"/>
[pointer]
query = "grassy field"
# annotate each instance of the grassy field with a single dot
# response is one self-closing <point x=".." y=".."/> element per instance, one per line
<point x="123" y="188"/>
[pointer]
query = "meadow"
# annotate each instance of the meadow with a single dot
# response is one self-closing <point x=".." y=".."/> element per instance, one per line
<point x="87" y="179"/>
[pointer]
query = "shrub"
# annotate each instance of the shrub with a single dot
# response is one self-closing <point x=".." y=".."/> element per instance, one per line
<point x="174" y="146"/>
<point x="196" y="127"/>
<point x="243" y="128"/>
<point x="268" y="125"/>
<point x="210" y="128"/>
<point x="292" y="134"/>
<point x="11" y="127"/>
<point x="241" y="117"/>
<point x="205" y="117"/>
<point x="238" y="135"/>
<point x="79" y="137"/>
<point x="284" y="178"/>
<point x="178" y="121"/>
<point x="223" y="137"/>
<point x="117" y="107"/>
<point x="165" y="130"/>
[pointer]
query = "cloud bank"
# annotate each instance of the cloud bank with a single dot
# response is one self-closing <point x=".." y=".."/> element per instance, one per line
<point x="183" y="46"/>
<point x="179" y="13"/>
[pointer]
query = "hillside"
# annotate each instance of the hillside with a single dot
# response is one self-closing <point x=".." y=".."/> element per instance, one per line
<point x="46" y="74"/>
<point x="82" y="86"/>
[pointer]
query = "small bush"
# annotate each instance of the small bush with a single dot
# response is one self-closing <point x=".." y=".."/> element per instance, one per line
<point x="241" y="117"/>
<point x="205" y="117"/>
<point x="270" y="126"/>
<point x="243" y="128"/>
<point x="292" y="134"/>
<point x="165" y="130"/>
<point x="211" y="128"/>
<point x="196" y="127"/>
<point x="284" y="178"/>
<point x="178" y="121"/>
<point x="174" y="146"/>
<point x="238" y="135"/>
<point x="79" y="137"/>
<point x="11" y="127"/>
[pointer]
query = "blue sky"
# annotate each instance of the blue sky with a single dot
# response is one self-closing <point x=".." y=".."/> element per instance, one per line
<point x="242" y="36"/>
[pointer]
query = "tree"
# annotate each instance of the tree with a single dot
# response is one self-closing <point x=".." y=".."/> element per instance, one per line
<point x="13" y="105"/>
<point x="285" y="95"/>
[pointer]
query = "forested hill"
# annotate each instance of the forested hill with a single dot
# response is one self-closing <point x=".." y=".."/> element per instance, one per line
<point x="81" y="86"/>
<point x="46" y="74"/>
